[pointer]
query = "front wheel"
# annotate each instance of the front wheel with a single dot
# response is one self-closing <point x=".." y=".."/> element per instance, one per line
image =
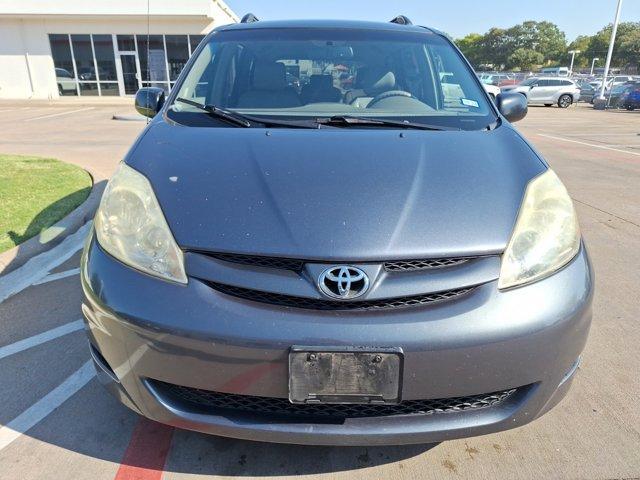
<point x="630" y="108"/>
<point x="565" y="101"/>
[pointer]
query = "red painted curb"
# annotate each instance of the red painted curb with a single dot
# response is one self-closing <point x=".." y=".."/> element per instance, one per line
<point x="147" y="452"/>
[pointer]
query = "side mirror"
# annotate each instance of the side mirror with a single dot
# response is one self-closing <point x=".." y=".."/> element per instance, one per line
<point x="149" y="101"/>
<point x="513" y="106"/>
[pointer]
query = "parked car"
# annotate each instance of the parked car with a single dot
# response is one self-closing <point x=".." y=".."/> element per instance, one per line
<point x="492" y="90"/>
<point x="587" y="93"/>
<point x="391" y="266"/>
<point x="625" y="96"/>
<point x="548" y="91"/>
<point x="495" y="78"/>
<point x="631" y="97"/>
<point x="66" y="82"/>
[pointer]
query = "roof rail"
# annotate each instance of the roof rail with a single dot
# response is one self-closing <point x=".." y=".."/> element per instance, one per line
<point x="249" y="18"/>
<point x="402" y="20"/>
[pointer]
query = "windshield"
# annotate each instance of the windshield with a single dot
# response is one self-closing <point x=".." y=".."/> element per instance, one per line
<point x="319" y="73"/>
<point x="528" y="81"/>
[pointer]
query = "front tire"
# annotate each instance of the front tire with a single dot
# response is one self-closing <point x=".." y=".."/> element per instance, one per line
<point x="630" y="108"/>
<point x="565" y="101"/>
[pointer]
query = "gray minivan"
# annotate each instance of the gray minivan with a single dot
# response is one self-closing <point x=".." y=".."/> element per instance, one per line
<point x="370" y="254"/>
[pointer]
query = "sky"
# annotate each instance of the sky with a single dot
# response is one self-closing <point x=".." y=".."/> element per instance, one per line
<point x="456" y="17"/>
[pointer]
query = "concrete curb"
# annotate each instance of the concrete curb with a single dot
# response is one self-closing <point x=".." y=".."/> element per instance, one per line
<point x="55" y="234"/>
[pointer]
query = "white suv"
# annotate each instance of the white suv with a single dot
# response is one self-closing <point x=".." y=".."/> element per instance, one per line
<point x="548" y="90"/>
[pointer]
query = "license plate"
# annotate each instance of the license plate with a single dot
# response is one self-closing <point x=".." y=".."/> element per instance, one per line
<point x="341" y="375"/>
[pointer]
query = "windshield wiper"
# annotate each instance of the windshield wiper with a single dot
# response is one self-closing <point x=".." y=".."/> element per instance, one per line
<point x="221" y="113"/>
<point x="246" y="120"/>
<point x="349" y="121"/>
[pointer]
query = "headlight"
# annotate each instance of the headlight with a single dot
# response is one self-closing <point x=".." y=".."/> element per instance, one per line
<point x="130" y="226"/>
<point x="546" y="236"/>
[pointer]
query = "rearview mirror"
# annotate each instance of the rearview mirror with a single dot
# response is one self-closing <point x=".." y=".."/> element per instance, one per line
<point x="512" y="106"/>
<point x="149" y="101"/>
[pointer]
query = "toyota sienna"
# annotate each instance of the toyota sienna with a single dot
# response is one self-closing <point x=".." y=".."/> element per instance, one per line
<point x="329" y="234"/>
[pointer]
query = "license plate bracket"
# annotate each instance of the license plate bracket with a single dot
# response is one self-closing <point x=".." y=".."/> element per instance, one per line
<point x="345" y="375"/>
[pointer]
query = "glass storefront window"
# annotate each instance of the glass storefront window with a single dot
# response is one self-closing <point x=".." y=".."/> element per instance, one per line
<point x="103" y="46"/>
<point x="110" y="89"/>
<point x="88" y="64"/>
<point x="177" y="54"/>
<point x="63" y="64"/>
<point x="195" y="41"/>
<point x="61" y="53"/>
<point x="126" y="43"/>
<point x="152" y="59"/>
<point x="89" y="89"/>
<point x="83" y="54"/>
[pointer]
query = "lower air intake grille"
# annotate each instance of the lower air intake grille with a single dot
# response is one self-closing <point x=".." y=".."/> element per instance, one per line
<point x="208" y="400"/>
<point x="321" y="304"/>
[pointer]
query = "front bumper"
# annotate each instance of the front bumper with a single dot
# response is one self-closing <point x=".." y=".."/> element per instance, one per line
<point x="528" y="338"/>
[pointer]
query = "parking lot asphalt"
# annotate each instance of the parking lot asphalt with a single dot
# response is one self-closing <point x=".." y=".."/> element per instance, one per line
<point x="56" y="422"/>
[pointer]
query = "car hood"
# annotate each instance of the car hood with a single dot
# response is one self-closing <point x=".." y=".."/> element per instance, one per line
<point x="337" y="194"/>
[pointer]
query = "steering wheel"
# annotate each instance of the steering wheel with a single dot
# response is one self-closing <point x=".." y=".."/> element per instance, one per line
<point x="389" y="94"/>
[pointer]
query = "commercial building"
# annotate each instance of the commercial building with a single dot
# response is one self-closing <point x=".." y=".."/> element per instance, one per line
<point x="50" y="48"/>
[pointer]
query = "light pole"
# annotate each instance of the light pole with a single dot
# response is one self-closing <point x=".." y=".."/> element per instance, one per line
<point x="593" y="64"/>
<point x="614" y="31"/>
<point x="573" y="57"/>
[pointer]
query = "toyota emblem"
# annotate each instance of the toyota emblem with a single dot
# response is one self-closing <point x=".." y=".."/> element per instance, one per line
<point x="343" y="282"/>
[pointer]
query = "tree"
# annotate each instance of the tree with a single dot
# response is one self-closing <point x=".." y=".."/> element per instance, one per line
<point x="629" y="53"/>
<point x="498" y="46"/>
<point x="471" y="47"/>
<point x="543" y="37"/>
<point x="581" y="43"/>
<point x="494" y="47"/>
<point x="626" y="51"/>
<point x="525" y="59"/>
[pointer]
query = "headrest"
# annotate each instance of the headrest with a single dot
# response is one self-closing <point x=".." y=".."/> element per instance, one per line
<point x="375" y="79"/>
<point x="269" y="76"/>
<point x="321" y="81"/>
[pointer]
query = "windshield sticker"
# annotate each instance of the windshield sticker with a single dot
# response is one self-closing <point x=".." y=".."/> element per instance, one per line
<point x="470" y="103"/>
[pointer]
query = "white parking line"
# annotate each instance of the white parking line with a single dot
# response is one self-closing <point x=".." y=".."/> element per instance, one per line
<point x="47" y="404"/>
<point x="59" y="114"/>
<point x="41" y="338"/>
<point x="38" y="267"/>
<point x="52" y="277"/>
<point x="603" y="147"/>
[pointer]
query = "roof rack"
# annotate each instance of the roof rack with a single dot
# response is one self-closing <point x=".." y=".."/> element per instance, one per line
<point x="402" y="20"/>
<point x="249" y="18"/>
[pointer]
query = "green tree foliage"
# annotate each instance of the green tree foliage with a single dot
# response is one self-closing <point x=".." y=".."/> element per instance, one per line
<point x="471" y="47"/>
<point x="498" y="46"/>
<point x="582" y="44"/>
<point x="524" y="59"/>
<point x="523" y="45"/>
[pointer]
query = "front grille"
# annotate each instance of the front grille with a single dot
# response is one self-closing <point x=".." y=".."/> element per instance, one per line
<point x="208" y="400"/>
<point x="410" y="265"/>
<point x="297" y="265"/>
<point x="258" y="261"/>
<point x="322" y="304"/>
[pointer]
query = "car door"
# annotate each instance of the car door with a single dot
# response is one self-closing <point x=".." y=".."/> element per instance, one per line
<point x="553" y="91"/>
<point x="537" y="92"/>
